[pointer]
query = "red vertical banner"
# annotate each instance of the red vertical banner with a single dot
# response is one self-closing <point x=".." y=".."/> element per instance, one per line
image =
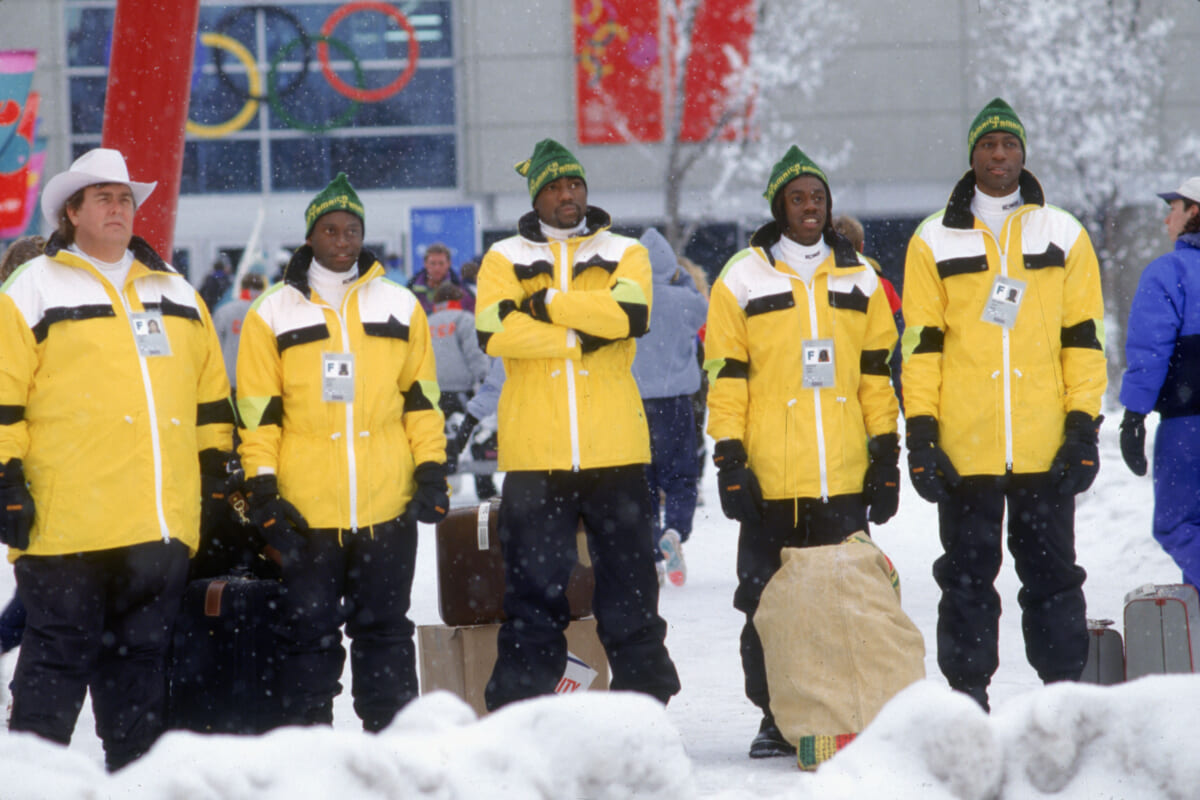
<point x="146" y="108"/>
<point x="720" y="46"/>
<point x="619" y="71"/>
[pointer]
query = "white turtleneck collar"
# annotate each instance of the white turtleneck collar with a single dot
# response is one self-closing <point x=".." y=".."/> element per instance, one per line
<point x="992" y="211"/>
<point x="802" y="258"/>
<point x="330" y="285"/>
<point x="562" y="234"/>
<point x="115" y="271"/>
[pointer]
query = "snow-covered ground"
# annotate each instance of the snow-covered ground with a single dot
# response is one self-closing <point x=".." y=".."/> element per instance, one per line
<point x="1069" y="742"/>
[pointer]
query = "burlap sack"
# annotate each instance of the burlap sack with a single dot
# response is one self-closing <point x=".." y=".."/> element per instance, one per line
<point x="836" y="642"/>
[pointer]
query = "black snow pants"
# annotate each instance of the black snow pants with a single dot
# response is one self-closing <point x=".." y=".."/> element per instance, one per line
<point x="1041" y="538"/>
<point x="538" y="522"/>
<point x="98" y="621"/>
<point x="365" y="582"/>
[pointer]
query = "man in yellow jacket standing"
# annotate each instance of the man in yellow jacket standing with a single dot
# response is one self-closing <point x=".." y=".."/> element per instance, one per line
<point x="562" y="302"/>
<point x="113" y="400"/>
<point x="799" y="401"/>
<point x="1003" y="375"/>
<point x="344" y="452"/>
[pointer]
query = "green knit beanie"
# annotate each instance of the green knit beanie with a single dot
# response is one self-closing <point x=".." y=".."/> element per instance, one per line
<point x="550" y="161"/>
<point x="995" y="116"/>
<point x="793" y="164"/>
<point x="339" y="195"/>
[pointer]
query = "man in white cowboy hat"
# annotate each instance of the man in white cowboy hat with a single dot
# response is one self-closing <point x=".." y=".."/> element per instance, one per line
<point x="113" y="401"/>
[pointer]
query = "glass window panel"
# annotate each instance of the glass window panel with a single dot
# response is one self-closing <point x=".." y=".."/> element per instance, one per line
<point x="385" y="162"/>
<point x="428" y="99"/>
<point x="220" y="166"/>
<point x="89" y="36"/>
<point x="87" y="104"/>
<point x="314" y="106"/>
<point x="215" y="104"/>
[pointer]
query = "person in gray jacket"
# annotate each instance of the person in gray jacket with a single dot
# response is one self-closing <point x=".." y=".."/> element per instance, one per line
<point x="667" y="375"/>
<point x="461" y="366"/>
<point x="227" y="319"/>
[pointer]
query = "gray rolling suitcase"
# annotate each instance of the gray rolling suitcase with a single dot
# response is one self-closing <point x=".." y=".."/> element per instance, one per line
<point x="1106" y="654"/>
<point x="1161" y="622"/>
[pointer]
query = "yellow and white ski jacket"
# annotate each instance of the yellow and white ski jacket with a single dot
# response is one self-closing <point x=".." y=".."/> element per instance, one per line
<point x="1001" y="395"/>
<point x="800" y="442"/>
<point x="569" y="401"/>
<point x="109" y="438"/>
<point x="344" y="465"/>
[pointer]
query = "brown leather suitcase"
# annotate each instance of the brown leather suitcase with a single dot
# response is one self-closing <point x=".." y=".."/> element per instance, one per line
<point x="471" y="569"/>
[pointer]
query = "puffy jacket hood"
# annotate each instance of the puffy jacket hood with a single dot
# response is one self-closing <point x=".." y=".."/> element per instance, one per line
<point x="663" y="263"/>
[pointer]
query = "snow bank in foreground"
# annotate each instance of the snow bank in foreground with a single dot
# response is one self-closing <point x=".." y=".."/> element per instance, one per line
<point x="1069" y="742"/>
<point x="595" y="745"/>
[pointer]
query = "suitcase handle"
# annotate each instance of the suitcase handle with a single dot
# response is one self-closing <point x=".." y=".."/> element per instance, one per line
<point x="212" y="598"/>
<point x="481" y="525"/>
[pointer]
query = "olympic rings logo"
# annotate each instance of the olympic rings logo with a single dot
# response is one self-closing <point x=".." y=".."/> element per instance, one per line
<point x="219" y="41"/>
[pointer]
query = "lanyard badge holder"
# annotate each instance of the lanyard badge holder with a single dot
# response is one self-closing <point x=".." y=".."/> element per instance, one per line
<point x="1004" y="303"/>
<point x="337" y="377"/>
<point x="150" y="334"/>
<point x="818" y="364"/>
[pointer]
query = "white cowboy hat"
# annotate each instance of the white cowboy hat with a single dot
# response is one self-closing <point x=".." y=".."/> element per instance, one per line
<point x="101" y="165"/>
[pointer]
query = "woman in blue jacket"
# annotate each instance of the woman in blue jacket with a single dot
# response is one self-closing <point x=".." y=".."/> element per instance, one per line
<point x="1162" y="353"/>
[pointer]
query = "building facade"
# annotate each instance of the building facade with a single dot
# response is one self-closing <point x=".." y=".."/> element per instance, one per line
<point x="431" y="102"/>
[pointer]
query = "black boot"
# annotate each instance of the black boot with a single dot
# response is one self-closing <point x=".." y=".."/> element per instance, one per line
<point x="769" y="742"/>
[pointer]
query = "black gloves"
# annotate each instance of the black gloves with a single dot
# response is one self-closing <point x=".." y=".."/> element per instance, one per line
<point x="932" y="473"/>
<point x="535" y="306"/>
<point x="881" y="486"/>
<point x="431" y="501"/>
<point x="281" y="525"/>
<point x="16" y="506"/>
<point x="741" y="497"/>
<point x="455" y="447"/>
<point x="220" y="480"/>
<point x="1078" y="458"/>
<point x="1133" y="441"/>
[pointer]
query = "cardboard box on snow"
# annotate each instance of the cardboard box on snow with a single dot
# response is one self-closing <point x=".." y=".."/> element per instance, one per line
<point x="460" y="659"/>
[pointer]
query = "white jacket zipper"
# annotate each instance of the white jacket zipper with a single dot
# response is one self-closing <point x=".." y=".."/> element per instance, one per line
<point x="155" y="441"/>
<point x="572" y="412"/>
<point x="812" y="321"/>
<point x="1006" y="360"/>
<point x="351" y="467"/>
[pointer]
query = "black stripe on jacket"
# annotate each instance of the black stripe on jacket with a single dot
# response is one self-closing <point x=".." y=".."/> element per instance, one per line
<point x="1082" y="335"/>
<point x="415" y="400"/>
<point x="733" y="368"/>
<point x="874" y="362"/>
<point x="932" y="341"/>
<point x="526" y="272"/>
<point x="1053" y="257"/>
<point x="948" y="268"/>
<point x="69" y="314"/>
<point x="217" y="411"/>
<point x="169" y="308"/>
<point x="392" y="329"/>
<point x="771" y="302"/>
<point x="313" y="333"/>
<point x="853" y="300"/>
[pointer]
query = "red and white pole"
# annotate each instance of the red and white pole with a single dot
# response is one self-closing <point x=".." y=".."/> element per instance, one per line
<point x="146" y="108"/>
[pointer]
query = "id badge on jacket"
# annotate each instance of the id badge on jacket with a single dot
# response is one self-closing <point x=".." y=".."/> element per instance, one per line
<point x="337" y="377"/>
<point x="1005" y="302"/>
<point x="150" y="334"/>
<point x="819" y="372"/>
